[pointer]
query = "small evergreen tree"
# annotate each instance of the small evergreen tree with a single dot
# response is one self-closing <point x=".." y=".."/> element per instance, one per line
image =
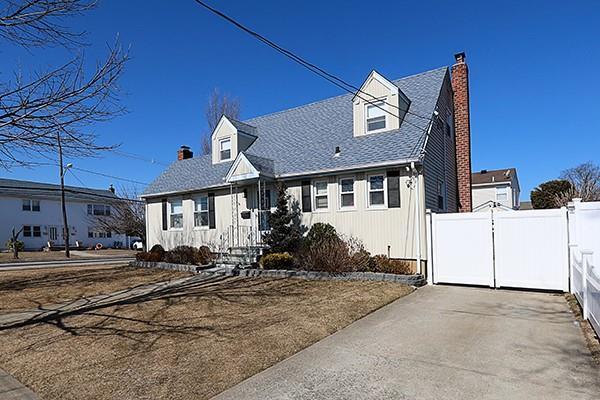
<point x="285" y="234"/>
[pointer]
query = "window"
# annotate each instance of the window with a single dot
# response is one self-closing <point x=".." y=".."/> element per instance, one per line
<point x="176" y="216"/>
<point x="225" y="148"/>
<point x="321" y="201"/>
<point x="201" y="211"/>
<point x="90" y="233"/>
<point x="98" y="234"/>
<point x="98" y="210"/>
<point x="376" y="185"/>
<point x="26" y="231"/>
<point x="501" y="194"/>
<point x="37" y="232"/>
<point x="31" y="205"/>
<point x="441" y="196"/>
<point x="347" y="193"/>
<point x="375" y="116"/>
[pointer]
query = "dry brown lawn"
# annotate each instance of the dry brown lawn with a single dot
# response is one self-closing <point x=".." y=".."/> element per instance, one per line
<point x="7" y="257"/>
<point x="28" y="289"/>
<point x="189" y="343"/>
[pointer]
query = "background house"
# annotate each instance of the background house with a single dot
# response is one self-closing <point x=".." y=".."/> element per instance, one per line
<point x="35" y="208"/>
<point x="495" y="189"/>
<point x="369" y="164"/>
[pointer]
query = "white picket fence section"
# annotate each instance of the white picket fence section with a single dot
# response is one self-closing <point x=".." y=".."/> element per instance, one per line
<point x="584" y="229"/>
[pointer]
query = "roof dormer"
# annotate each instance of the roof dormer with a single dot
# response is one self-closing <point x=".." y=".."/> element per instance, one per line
<point x="379" y="106"/>
<point x="229" y="138"/>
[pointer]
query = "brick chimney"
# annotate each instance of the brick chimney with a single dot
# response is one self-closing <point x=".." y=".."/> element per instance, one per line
<point x="462" y="129"/>
<point x="184" y="153"/>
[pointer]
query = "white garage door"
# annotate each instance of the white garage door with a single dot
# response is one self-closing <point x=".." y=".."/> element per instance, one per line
<point x="463" y="249"/>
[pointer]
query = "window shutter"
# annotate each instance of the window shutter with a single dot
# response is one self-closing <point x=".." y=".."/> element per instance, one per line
<point x="393" y="187"/>
<point x="164" y="214"/>
<point x="211" y="211"/>
<point x="306" y="196"/>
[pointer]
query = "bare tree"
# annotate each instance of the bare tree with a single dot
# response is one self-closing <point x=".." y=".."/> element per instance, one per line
<point x="63" y="100"/>
<point x="218" y="105"/>
<point x="585" y="184"/>
<point x="127" y="215"/>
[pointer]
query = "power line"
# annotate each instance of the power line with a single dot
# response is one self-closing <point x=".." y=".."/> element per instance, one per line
<point x="312" y="67"/>
<point x="109" y="176"/>
<point x="140" y="158"/>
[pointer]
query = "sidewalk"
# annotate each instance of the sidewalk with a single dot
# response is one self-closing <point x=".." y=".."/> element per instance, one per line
<point x="12" y="389"/>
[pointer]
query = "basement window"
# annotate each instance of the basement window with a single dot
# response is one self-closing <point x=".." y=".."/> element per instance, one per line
<point x="375" y="116"/>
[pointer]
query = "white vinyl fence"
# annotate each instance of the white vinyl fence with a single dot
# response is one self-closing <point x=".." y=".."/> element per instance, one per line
<point x="584" y="230"/>
<point x="519" y="249"/>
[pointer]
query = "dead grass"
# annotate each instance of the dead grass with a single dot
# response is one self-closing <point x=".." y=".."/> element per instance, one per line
<point x="7" y="257"/>
<point x="27" y="289"/>
<point x="191" y="343"/>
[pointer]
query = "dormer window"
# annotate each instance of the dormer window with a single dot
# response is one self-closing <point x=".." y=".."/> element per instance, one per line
<point x="375" y="116"/>
<point x="225" y="149"/>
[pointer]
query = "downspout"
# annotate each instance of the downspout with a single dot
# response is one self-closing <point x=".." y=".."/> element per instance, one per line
<point x="418" y="213"/>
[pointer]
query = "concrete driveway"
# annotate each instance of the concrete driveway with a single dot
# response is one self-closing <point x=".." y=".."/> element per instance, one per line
<point x="442" y="342"/>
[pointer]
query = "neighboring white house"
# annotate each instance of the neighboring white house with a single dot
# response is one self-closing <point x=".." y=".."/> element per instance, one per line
<point x="35" y="208"/>
<point x="369" y="164"/>
<point x="495" y="189"/>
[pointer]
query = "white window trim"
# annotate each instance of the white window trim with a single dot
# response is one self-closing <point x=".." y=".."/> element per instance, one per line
<point x="368" y="192"/>
<point x="225" y="139"/>
<point x="197" y="201"/>
<point x="169" y="203"/>
<point x="385" y="114"/>
<point x="314" y="196"/>
<point x="340" y="207"/>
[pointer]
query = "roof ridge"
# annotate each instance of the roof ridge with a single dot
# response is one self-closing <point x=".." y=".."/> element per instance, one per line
<point x="334" y="97"/>
<point x="52" y="184"/>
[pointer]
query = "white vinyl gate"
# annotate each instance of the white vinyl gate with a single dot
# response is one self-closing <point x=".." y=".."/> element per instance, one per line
<point x="523" y="249"/>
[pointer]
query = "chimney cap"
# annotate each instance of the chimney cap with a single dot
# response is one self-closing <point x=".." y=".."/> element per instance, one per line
<point x="184" y="147"/>
<point x="460" y="57"/>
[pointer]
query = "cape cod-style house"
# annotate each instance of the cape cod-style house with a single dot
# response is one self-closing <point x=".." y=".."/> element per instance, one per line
<point x="370" y="164"/>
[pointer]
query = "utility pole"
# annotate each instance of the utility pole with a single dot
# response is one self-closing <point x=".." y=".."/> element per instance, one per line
<point x="62" y="196"/>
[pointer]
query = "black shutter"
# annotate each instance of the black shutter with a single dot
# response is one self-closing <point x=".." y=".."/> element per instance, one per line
<point x="164" y="214"/>
<point x="211" y="211"/>
<point x="393" y="187"/>
<point x="306" y="196"/>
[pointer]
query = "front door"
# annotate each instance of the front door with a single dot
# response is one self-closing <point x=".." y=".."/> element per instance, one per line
<point x="53" y="234"/>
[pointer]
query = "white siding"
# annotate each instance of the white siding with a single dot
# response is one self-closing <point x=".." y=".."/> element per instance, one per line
<point x="377" y="228"/>
<point x="50" y="214"/>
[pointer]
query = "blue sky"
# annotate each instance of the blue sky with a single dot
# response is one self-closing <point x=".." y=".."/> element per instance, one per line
<point x="533" y="68"/>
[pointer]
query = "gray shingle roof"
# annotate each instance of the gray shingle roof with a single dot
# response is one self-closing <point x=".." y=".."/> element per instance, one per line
<point x="302" y="140"/>
<point x="13" y="187"/>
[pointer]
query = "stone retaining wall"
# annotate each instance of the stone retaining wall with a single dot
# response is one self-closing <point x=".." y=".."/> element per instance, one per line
<point x="413" y="280"/>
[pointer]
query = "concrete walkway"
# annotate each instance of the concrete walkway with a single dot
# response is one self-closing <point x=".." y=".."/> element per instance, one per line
<point x="12" y="389"/>
<point x="442" y="342"/>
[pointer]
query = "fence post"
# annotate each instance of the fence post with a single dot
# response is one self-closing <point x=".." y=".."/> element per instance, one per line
<point x="572" y="249"/>
<point x="429" y="235"/>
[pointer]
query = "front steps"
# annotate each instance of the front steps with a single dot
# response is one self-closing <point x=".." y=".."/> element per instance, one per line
<point x="241" y="257"/>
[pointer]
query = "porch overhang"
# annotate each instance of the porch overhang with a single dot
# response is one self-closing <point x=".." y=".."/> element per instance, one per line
<point x="244" y="170"/>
